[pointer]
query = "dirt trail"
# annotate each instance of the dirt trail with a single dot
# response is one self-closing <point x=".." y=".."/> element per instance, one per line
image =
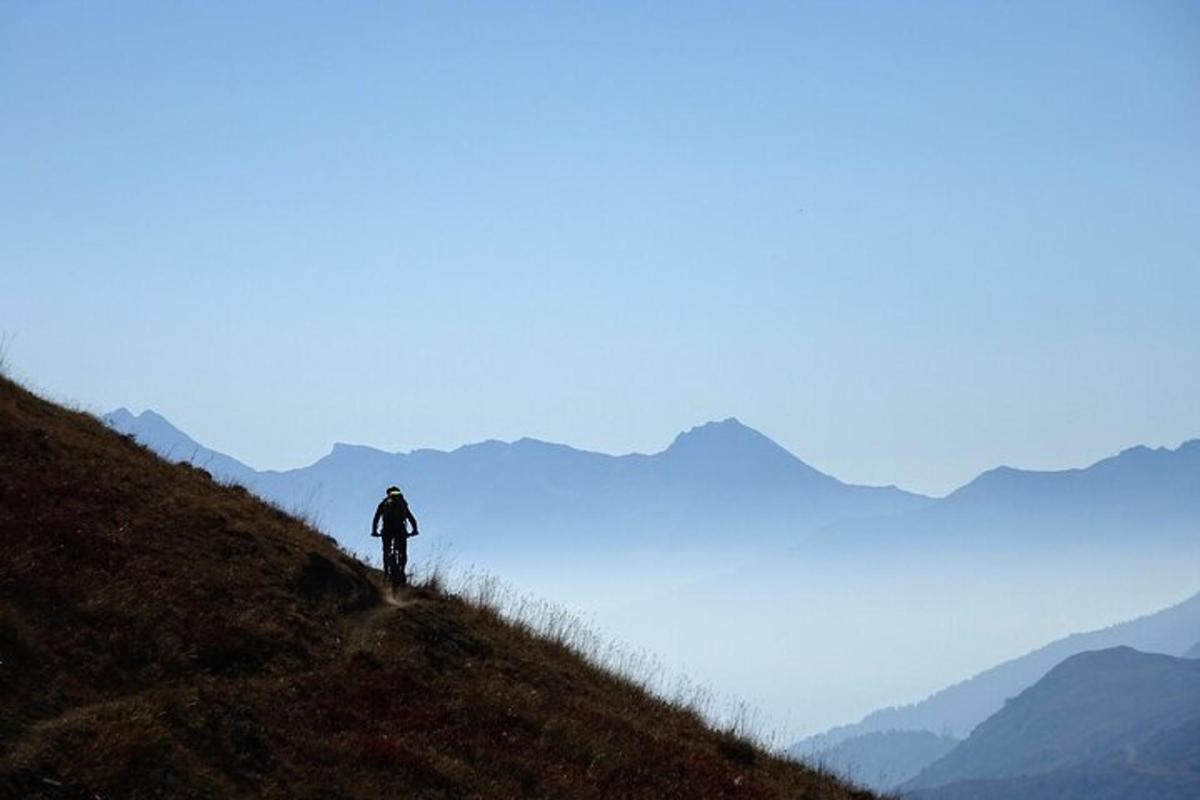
<point x="403" y="601"/>
<point x="31" y="739"/>
<point x="367" y="632"/>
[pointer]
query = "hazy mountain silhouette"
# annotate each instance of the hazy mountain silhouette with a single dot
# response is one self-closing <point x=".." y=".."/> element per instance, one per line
<point x="1101" y="706"/>
<point x="1194" y="652"/>
<point x="1162" y="768"/>
<point x="162" y="437"/>
<point x="722" y="477"/>
<point x="1140" y="500"/>
<point x="957" y="709"/>
<point x="713" y="481"/>
<point x="882" y="761"/>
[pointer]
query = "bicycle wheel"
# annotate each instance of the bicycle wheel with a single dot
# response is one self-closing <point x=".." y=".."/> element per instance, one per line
<point x="393" y="572"/>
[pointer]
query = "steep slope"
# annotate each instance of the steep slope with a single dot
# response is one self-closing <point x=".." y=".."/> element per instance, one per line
<point x="162" y="635"/>
<point x="1194" y="652"/>
<point x="1096" y="710"/>
<point x="959" y="708"/>
<point x="530" y="494"/>
<point x="155" y="432"/>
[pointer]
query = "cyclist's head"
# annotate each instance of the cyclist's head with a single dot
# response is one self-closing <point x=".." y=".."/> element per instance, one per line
<point x="391" y="490"/>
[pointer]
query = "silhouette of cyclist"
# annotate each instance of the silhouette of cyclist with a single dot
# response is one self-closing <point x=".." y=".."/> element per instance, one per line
<point x="396" y="516"/>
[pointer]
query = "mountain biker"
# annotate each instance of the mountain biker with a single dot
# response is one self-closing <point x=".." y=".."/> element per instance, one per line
<point x="396" y="516"/>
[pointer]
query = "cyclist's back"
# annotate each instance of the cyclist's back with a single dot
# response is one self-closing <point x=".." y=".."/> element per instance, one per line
<point x="396" y="516"/>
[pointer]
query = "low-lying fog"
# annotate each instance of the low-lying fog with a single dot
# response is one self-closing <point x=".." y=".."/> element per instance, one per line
<point x="813" y="644"/>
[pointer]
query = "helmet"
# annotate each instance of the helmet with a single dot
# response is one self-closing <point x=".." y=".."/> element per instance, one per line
<point x="393" y="490"/>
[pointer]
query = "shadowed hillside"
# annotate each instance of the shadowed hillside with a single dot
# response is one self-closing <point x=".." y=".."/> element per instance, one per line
<point x="162" y="635"/>
<point x="1117" y="719"/>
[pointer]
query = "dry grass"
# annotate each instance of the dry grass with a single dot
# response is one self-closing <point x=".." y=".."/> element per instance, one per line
<point x="575" y="631"/>
<point x="162" y="635"/>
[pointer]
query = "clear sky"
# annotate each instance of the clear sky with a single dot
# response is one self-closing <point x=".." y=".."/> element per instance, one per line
<point x="908" y="241"/>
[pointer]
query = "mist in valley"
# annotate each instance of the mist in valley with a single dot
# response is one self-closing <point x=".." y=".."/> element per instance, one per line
<point x="815" y="643"/>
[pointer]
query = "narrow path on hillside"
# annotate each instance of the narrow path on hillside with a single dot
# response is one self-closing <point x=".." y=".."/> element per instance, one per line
<point x="367" y="632"/>
<point x="403" y="601"/>
<point x="39" y="729"/>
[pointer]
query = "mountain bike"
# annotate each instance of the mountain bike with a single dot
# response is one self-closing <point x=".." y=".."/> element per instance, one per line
<point x="393" y="565"/>
<point x="393" y="569"/>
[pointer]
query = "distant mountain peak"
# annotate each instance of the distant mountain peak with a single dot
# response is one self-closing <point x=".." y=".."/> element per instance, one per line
<point x="729" y="444"/>
<point x="1007" y="484"/>
<point x="726" y="432"/>
<point x="119" y="417"/>
<point x="348" y="449"/>
<point x="1185" y="449"/>
<point x="159" y="434"/>
<point x="123" y="417"/>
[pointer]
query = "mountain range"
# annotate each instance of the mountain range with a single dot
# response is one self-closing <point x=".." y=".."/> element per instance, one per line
<point x="957" y="709"/>
<point x="1106" y="723"/>
<point x="916" y="735"/>
<point x="1139" y="501"/>
<point x="713" y="479"/>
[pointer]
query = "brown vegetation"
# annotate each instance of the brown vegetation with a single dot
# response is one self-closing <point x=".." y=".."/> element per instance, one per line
<point x="165" y="636"/>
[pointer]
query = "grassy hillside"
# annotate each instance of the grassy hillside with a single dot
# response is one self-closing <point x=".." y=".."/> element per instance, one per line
<point x="165" y="636"/>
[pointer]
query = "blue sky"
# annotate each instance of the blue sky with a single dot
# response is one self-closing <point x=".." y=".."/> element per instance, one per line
<point x="907" y="241"/>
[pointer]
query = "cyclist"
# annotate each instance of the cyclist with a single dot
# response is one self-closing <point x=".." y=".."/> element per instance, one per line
<point x="396" y="516"/>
